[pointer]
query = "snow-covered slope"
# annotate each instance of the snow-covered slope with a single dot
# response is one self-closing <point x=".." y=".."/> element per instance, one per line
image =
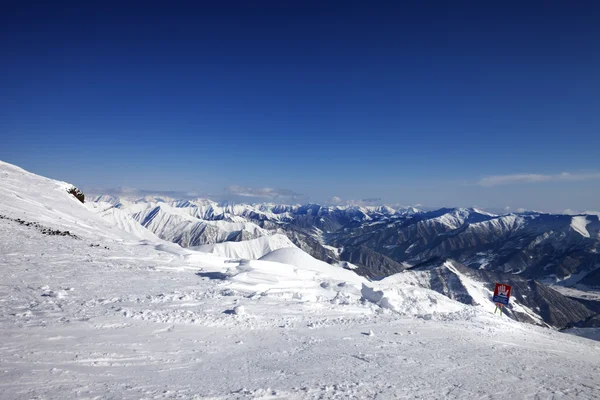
<point x="178" y="225"/>
<point x="297" y="258"/>
<point x="104" y="315"/>
<point x="579" y="223"/>
<point x="531" y="302"/>
<point x="36" y="199"/>
<point x="122" y="220"/>
<point x="248" y="249"/>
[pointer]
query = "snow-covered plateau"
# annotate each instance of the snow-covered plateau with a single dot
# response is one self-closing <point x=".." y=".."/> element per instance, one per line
<point x="95" y="306"/>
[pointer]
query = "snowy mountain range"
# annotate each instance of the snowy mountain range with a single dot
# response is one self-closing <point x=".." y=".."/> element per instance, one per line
<point x="382" y="240"/>
<point x="525" y="249"/>
<point x="159" y="298"/>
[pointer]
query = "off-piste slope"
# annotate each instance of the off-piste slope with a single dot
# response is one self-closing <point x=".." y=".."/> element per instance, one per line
<point x="121" y="220"/>
<point x="531" y="302"/>
<point x="36" y="199"/>
<point x="105" y="315"/>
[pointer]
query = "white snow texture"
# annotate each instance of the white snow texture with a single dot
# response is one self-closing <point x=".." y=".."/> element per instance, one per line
<point x="108" y="310"/>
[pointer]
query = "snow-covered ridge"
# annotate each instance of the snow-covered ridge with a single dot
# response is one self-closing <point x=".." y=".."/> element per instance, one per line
<point x="122" y="220"/>
<point x="34" y="198"/>
<point x="579" y="223"/>
<point x="504" y="223"/>
<point x="209" y="209"/>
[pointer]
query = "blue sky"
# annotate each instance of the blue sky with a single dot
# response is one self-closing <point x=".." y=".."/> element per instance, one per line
<point x="442" y="104"/>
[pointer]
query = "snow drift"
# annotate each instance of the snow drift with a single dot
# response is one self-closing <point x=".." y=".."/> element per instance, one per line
<point x="248" y="249"/>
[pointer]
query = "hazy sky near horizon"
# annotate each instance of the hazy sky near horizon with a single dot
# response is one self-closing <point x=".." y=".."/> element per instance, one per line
<point x="435" y="103"/>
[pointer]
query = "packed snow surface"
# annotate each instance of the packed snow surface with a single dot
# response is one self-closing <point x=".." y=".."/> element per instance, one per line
<point x="101" y="314"/>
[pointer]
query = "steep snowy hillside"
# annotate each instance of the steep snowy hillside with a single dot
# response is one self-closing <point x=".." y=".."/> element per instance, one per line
<point x="540" y="246"/>
<point x="177" y="225"/>
<point x="98" y="313"/>
<point x="33" y="199"/>
<point x="121" y="220"/>
<point x="532" y="302"/>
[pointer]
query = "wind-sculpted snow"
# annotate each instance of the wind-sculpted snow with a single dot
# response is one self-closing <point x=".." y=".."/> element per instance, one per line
<point x="248" y="249"/>
<point x="299" y="259"/>
<point x="309" y="283"/>
<point x="410" y="300"/>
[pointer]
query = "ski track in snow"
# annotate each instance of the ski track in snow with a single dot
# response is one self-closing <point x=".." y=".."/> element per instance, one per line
<point x="106" y="316"/>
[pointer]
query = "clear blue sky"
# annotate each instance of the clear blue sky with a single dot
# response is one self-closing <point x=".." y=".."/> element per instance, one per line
<point x="450" y="103"/>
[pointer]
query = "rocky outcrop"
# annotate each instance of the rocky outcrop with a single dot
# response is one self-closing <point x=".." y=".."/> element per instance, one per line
<point x="78" y="194"/>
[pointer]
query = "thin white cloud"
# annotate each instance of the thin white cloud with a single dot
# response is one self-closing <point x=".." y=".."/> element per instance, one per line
<point x="335" y="200"/>
<point x="496" y="180"/>
<point x="575" y="212"/>
<point x="338" y="201"/>
<point x="128" y="192"/>
<point x="268" y="193"/>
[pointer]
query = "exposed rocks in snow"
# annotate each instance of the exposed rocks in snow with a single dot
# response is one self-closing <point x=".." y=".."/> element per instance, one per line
<point x="77" y="193"/>
<point x="42" y="229"/>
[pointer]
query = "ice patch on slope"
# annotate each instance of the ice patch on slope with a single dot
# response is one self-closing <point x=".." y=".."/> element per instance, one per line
<point x="578" y="224"/>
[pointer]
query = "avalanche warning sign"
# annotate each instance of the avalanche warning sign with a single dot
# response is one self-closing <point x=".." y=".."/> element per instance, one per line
<point x="502" y="293"/>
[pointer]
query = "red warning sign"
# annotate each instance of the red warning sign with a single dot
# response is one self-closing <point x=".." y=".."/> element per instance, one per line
<point x="502" y="293"/>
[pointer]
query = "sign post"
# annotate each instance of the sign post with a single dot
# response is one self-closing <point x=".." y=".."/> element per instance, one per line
<point x="501" y="296"/>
